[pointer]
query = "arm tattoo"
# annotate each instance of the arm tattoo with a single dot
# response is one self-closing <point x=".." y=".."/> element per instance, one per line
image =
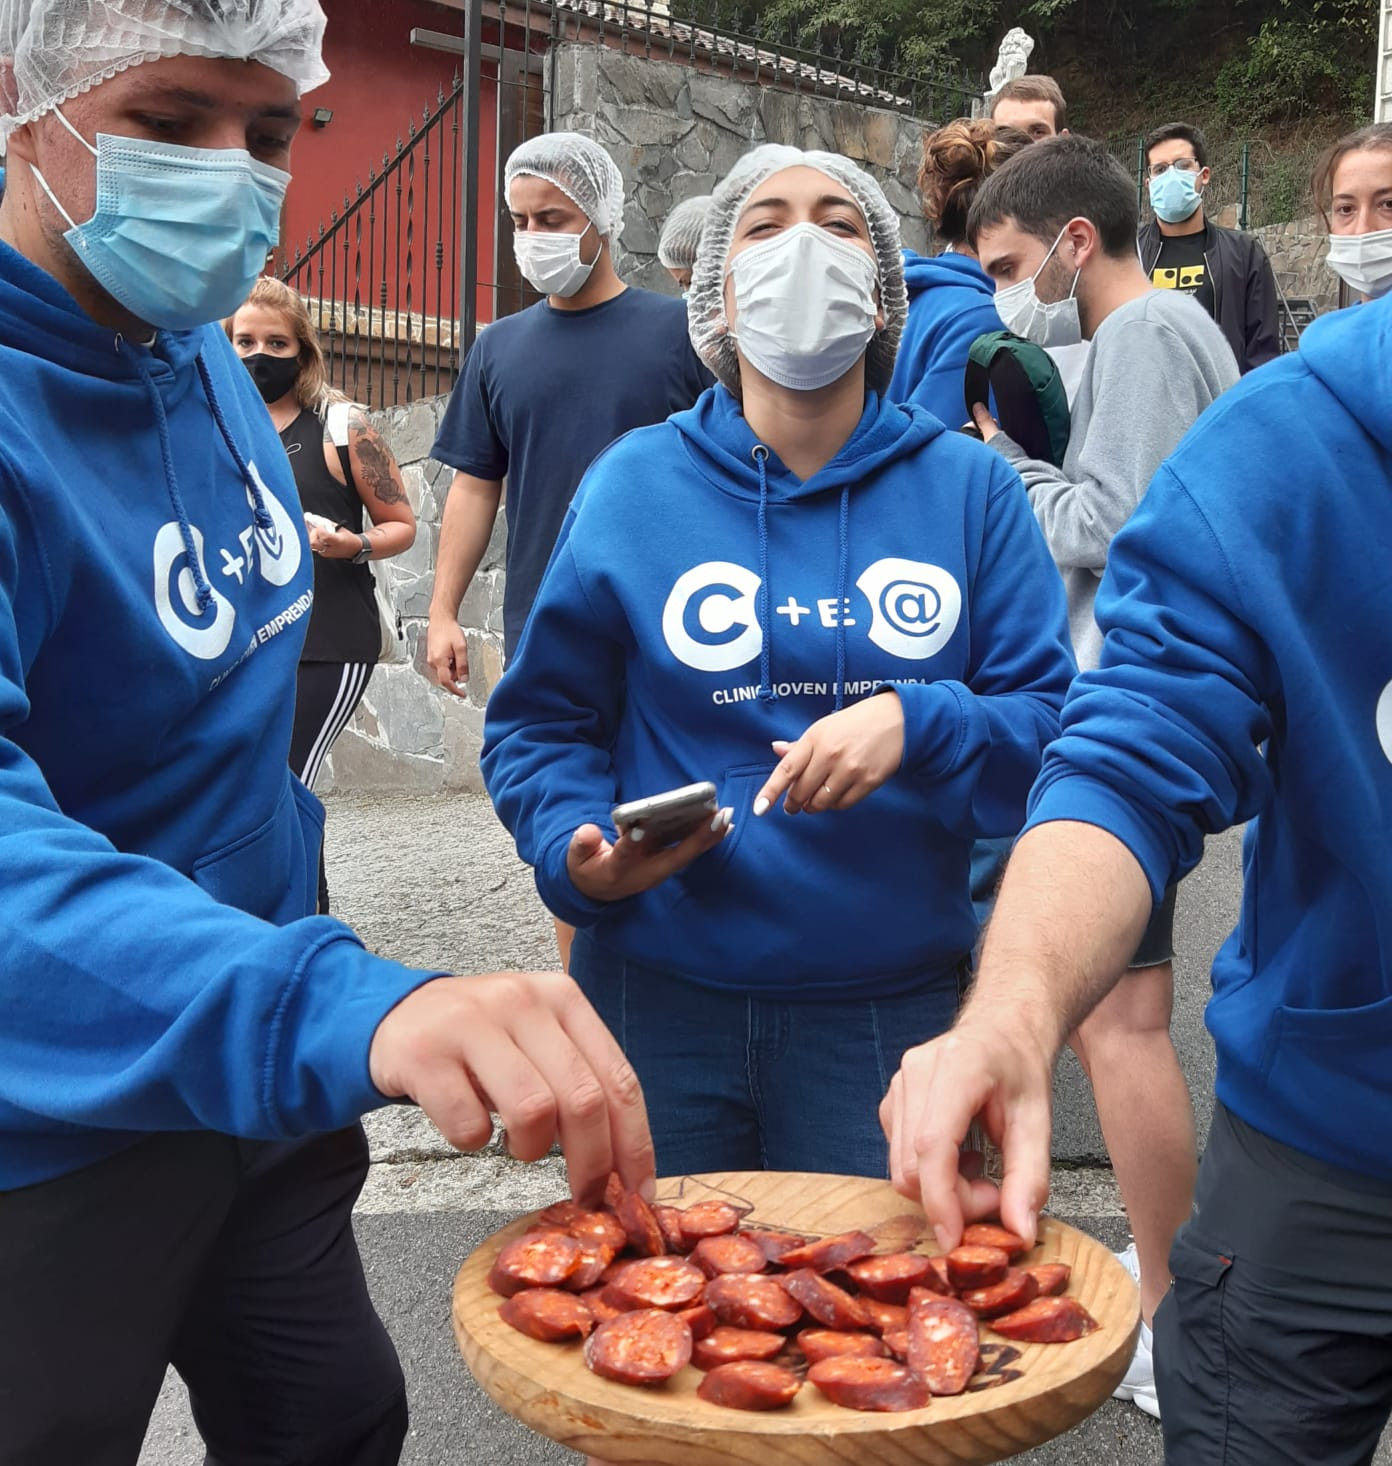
<point x="373" y="461"/>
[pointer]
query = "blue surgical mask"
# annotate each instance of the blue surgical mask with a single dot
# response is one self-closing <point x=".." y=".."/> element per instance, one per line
<point x="180" y="234"/>
<point x="1174" y="195"/>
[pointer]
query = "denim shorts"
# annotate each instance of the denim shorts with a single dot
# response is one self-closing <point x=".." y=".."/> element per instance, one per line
<point x="741" y="1083"/>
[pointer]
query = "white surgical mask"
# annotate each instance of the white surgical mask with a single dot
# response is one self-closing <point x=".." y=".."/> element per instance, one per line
<point x="1363" y="261"/>
<point x="1046" y="323"/>
<point x="804" y="306"/>
<point x="551" y="262"/>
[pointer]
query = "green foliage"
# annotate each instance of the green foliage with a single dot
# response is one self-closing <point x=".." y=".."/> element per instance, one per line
<point x="1309" y="57"/>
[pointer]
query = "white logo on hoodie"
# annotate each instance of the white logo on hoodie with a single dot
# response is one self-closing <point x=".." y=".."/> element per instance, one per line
<point x="203" y="634"/>
<point x="1383" y="718"/>
<point x="914" y="606"/>
<point x="710" y="620"/>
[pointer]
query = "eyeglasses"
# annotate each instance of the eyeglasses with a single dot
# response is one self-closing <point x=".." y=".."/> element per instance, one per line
<point x="1185" y="165"/>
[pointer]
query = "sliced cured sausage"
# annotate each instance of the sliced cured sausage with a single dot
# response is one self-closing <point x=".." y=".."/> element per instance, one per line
<point x="885" y="1316"/>
<point x="989" y="1234"/>
<point x="595" y="1260"/>
<point x="598" y="1226"/>
<point x="752" y="1302"/>
<point x="747" y="1384"/>
<point x="896" y="1341"/>
<point x="547" y="1314"/>
<point x="828" y="1304"/>
<point x="774" y="1244"/>
<point x="724" y="1344"/>
<point x="819" y="1344"/>
<point x="699" y="1318"/>
<point x="708" y="1219"/>
<point x="643" y="1348"/>
<point x="1052" y="1277"/>
<point x="718" y="1255"/>
<point x="640" y="1226"/>
<point x="559" y="1215"/>
<point x="534" y="1260"/>
<point x="944" y="1342"/>
<point x="976" y="1267"/>
<point x="830" y="1252"/>
<point x="1047" y="1321"/>
<point x="657" y="1282"/>
<point x="595" y="1301"/>
<point x="889" y="1277"/>
<point x="669" y="1222"/>
<point x="868" y="1384"/>
<point x="1013" y="1291"/>
<point x="937" y="1280"/>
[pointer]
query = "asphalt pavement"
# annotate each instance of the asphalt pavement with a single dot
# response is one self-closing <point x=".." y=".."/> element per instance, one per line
<point x="434" y="882"/>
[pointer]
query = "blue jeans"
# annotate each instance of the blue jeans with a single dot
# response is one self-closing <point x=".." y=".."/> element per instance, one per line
<point x="739" y="1083"/>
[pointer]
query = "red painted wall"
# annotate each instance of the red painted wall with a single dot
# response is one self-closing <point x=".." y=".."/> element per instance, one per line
<point x="380" y="83"/>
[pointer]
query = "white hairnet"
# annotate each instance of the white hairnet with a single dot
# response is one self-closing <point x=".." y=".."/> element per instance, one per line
<point x="580" y="168"/>
<point x="705" y="304"/>
<point x="682" y="233"/>
<point x="60" y="48"/>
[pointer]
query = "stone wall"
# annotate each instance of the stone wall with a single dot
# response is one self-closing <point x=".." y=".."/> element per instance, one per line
<point x="675" y="132"/>
<point x="1297" y="250"/>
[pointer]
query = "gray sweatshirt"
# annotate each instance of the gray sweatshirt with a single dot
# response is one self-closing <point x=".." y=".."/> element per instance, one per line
<point x="1155" y="364"/>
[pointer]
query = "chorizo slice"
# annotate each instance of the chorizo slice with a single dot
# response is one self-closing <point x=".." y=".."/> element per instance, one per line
<point x="598" y="1226"/>
<point x="718" y="1255"/>
<point x="699" y="1318"/>
<point x="724" y="1344"/>
<point x="748" y="1384"/>
<point x="643" y="1348"/>
<point x="885" y="1316"/>
<point x="1047" y="1321"/>
<point x="669" y="1223"/>
<point x="937" y="1281"/>
<point x="830" y="1252"/>
<point x="944" y="1343"/>
<point x="547" y="1314"/>
<point x="976" y="1267"/>
<point x="708" y="1219"/>
<point x="559" y="1215"/>
<point x="1013" y="1291"/>
<point x="888" y="1277"/>
<point x="868" y="1384"/>
<point x="828" y="1304"/>
<point x="819" y="1344"/>
<point x="896" y="1342"/>
<point x="595" y="1260"/>
<point x="534" y="1260"/>
<point x="989" y="1234"/>
<point x="1052" y="1277"/>
<point x="752" y="1302"/>
<point x="657" y="1282"/>
<point x="775" y="1244"/>
<point x="640" y="1226"/>
<point x="599" y="1305"/>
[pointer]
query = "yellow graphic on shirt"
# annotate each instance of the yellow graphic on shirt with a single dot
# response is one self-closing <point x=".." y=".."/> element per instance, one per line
<point x="1188" y="278"/>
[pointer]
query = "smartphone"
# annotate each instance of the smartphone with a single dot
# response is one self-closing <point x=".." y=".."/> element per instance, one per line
<point x="667" y="818"/>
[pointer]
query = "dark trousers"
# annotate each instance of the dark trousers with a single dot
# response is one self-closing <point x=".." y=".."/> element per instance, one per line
<point x="233" y="1260"/>
<point x="1274" y="1345"/>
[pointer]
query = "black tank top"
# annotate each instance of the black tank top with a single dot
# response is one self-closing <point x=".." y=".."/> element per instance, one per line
<point x="343" y="624"/>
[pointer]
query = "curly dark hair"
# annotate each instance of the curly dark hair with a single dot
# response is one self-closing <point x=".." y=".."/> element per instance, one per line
<point x="957" y="160"/>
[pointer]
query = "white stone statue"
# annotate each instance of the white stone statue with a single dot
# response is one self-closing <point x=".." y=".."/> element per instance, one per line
<point x="1012" y="60"/>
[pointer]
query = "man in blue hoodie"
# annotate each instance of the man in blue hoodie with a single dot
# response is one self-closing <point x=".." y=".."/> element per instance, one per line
<point x="185" y="1049"/>
<point x="1246" y="676"/>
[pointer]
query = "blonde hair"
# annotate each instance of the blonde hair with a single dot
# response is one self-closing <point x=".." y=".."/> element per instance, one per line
<point x="957" y="160"/>
<point x="312" y="388"/>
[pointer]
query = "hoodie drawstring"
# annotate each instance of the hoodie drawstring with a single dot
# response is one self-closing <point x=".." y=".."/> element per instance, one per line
<point x="201" y="587"/>
<point x="260" y="514"/>
<point x="843" y="565"/>
<point x="761" y="600"/>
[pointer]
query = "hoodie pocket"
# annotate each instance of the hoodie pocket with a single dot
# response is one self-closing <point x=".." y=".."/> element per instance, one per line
<point x="1311" y="1051"/>
<point x="272" y="871"/>
<point x="736" y="788"/>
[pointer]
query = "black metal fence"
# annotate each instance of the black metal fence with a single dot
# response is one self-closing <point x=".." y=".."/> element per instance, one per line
<point x="397" y="278"/>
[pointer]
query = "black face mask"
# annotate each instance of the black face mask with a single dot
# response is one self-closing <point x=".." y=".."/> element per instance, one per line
<point x="274" y="375"/>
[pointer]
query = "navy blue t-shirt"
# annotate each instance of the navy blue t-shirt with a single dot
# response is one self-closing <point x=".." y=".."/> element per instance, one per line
<point x="543" y="394"/>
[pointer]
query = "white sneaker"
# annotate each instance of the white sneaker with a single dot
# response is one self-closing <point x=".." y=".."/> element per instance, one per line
<point x="1138" y="1384"/>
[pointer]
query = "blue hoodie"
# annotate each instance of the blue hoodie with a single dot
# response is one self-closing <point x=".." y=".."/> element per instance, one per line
<point x="155" y="852"/>
<point x="1247" y="675"/>
<point x="690" y="616"/>
<point x="951" y="303"/>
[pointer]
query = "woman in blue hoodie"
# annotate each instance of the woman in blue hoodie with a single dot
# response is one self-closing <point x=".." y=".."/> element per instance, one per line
<point x="842" y="615"/>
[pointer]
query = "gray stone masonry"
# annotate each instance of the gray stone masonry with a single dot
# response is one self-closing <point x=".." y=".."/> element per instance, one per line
<point x="1297" y="250"/>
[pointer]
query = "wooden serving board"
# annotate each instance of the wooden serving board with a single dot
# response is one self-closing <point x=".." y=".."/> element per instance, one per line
<point x="548" y="1387"/>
